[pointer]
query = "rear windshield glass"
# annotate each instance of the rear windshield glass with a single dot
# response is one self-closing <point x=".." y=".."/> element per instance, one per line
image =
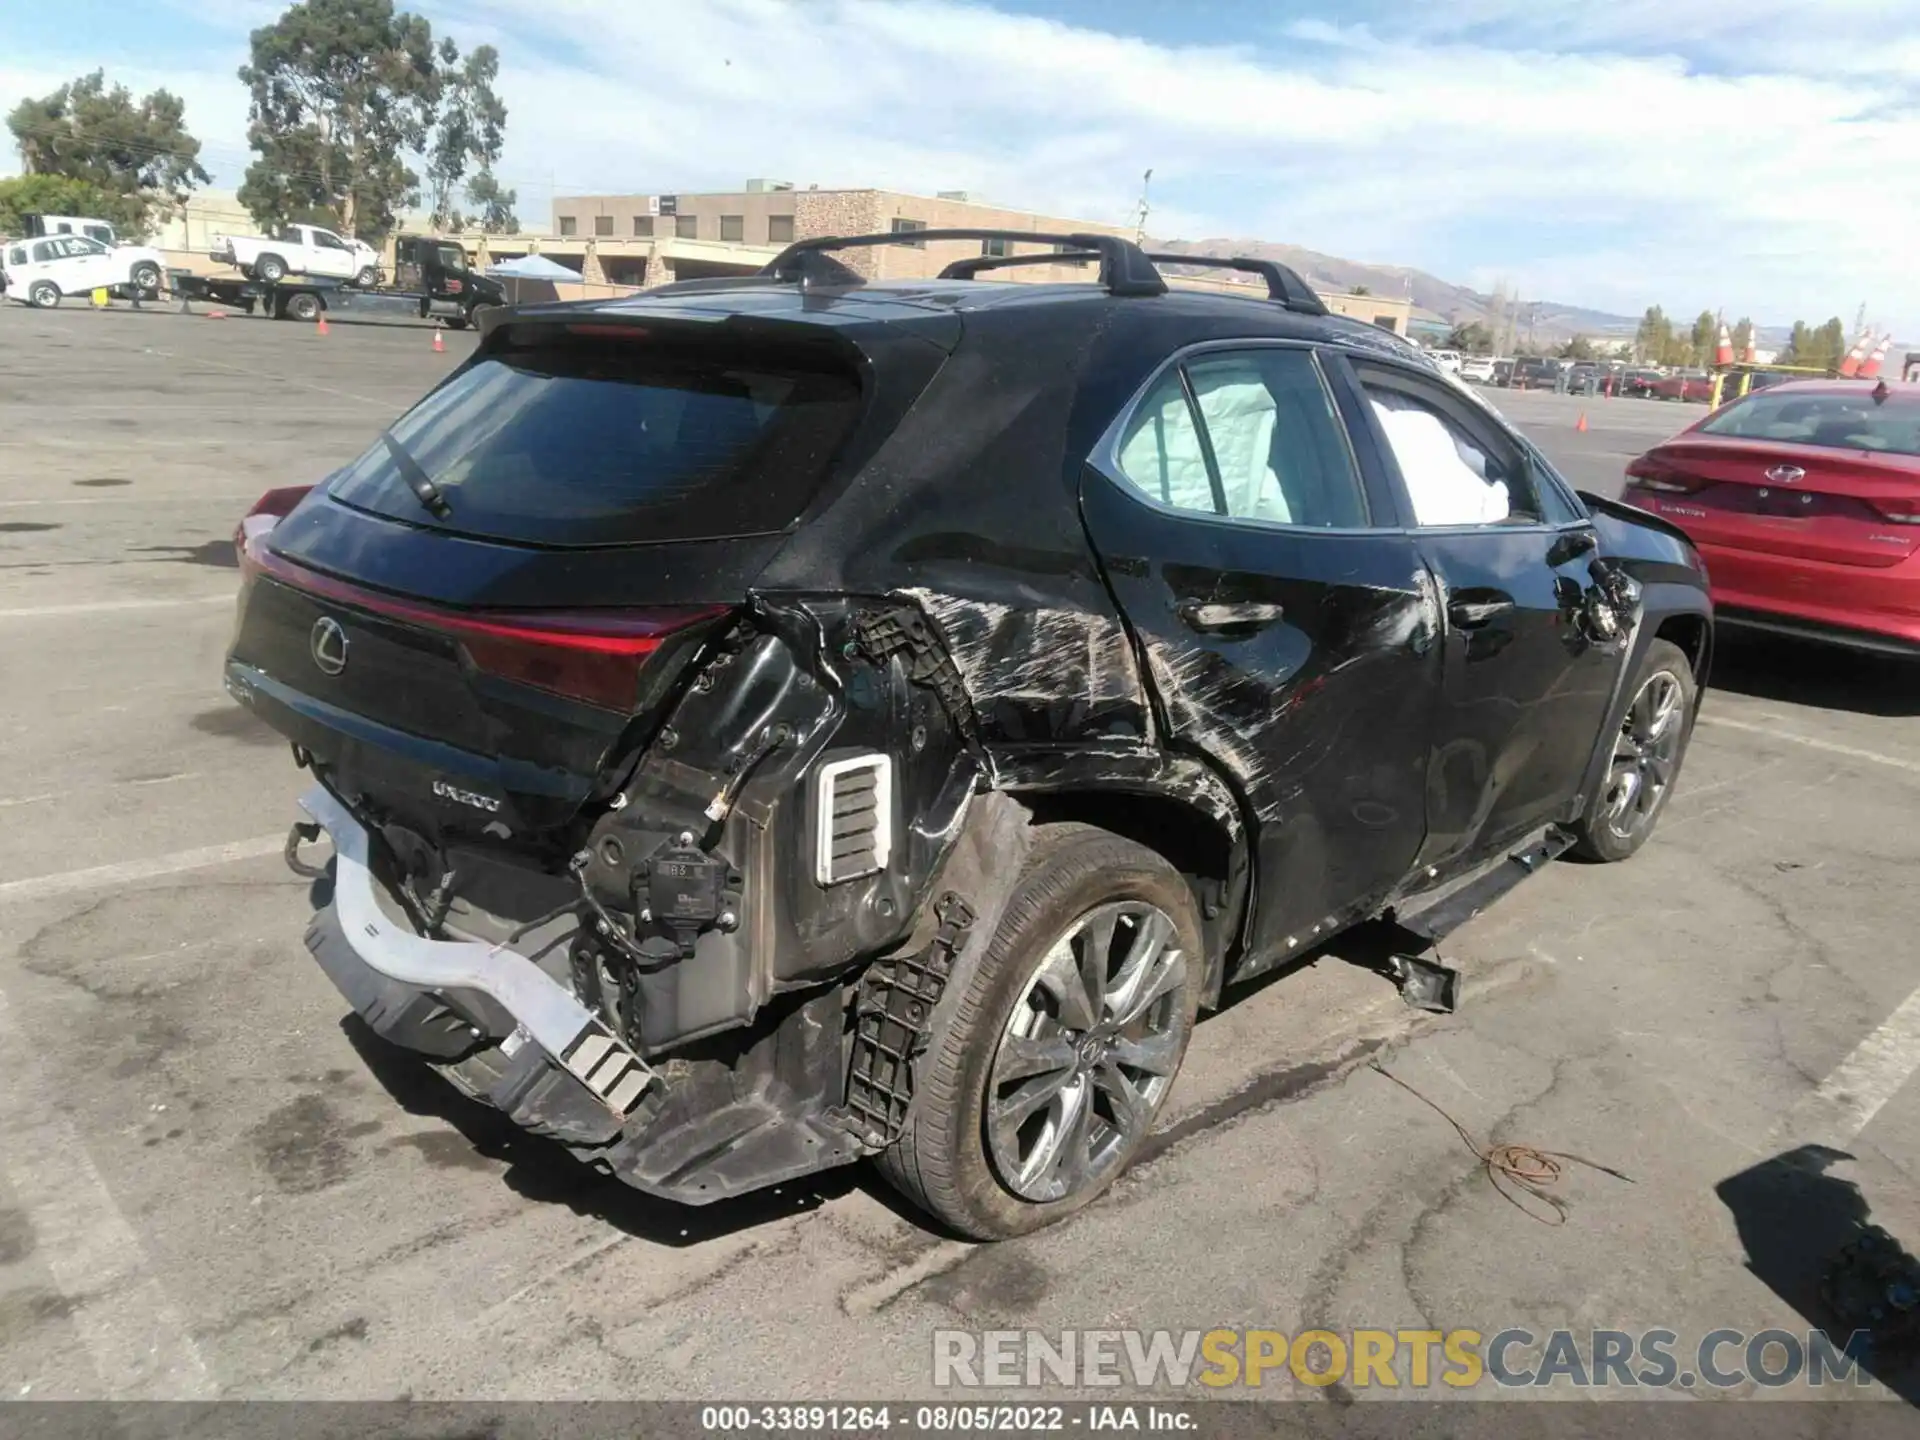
<point x="578" y="439"/>
<point x="1839" y="422"/>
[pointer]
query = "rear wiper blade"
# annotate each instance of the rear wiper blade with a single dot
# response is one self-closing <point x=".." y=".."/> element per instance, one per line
<point x="430" y="496"/>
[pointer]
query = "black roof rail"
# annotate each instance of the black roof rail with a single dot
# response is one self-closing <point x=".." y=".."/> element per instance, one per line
<point x="972" y="265"/>
<point x="1124" y="267"/>
<point x="1283" y="283"/>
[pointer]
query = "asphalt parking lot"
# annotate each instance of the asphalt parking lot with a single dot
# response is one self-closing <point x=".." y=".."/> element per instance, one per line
<point x="211" y="1186"/>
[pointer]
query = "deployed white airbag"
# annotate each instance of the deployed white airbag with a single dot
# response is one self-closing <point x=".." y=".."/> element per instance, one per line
<point x="1239" y="412"/>
<point x="1446" y="481"/>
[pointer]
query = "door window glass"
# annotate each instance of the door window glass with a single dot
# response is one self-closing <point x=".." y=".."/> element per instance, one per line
<point x="1266" y="443"/>
<point x="1160" y="452"/>
<point x="1279" y="444"/>
<point x="1452" y="476"/>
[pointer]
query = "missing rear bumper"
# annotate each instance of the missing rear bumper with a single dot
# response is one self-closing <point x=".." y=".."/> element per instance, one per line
<point x="509" y="1035"/>
<point x="412" y="989"/>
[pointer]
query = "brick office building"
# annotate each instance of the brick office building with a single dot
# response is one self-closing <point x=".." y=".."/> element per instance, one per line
<point x="651" y="239"/>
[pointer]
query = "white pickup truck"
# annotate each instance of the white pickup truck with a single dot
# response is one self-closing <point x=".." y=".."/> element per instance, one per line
<point x="299" y="250"/>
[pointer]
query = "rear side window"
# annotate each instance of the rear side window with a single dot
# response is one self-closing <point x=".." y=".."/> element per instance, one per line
<point x="571" y="439"/>
<point x="1161" y="455"/>
<point x="1839" y="422"/>
<point x="1265" y="443"/>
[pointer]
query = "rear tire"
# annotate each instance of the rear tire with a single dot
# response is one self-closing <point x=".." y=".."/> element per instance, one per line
<point x="270" y="269"/>
<point x="1648" y="748"/>
<point x="146" y="278"/>
<point x="44" y="294"/>
<point x="1090" y="909"/>
<point x="303" y="307"/>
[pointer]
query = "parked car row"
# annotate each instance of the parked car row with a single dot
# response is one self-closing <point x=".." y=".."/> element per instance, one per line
<point x="1597" y="377"/>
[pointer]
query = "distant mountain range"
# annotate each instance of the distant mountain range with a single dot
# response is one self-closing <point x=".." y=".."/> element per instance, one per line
<point x="1545" y="320"/>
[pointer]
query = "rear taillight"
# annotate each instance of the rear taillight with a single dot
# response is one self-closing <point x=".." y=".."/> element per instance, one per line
<point x="1900" y="512"/>
<point x="1650" y="474"/>
<point x="269" y="510"/>
<point x="590" y="655"/>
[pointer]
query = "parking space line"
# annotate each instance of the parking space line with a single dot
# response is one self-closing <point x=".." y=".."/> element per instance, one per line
<point x="1812" y="742"/>
<point x="68" y="882"/>
<point x="136" y="1339"/>
<point x="254" y="373"/>
<point x="1845" y="1102"/>
<point x="95" y="607"/>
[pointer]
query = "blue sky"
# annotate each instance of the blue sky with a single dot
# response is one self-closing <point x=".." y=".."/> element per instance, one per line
<point x="1756" y="156"/>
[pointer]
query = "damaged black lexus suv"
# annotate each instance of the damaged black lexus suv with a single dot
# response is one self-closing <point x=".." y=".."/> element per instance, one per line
<point x="768" y="722"/>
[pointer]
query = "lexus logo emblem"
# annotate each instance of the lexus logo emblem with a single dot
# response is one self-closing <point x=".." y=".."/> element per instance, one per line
<point x="329" y="645"/>
<point x="1786" y="474"/>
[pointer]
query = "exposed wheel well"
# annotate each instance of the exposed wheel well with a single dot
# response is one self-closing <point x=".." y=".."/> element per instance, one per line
<point x="1694" y="637"/>
<point x="1190" y="840"/>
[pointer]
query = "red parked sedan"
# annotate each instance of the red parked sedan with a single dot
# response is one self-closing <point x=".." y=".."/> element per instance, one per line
<point x="1688" y="386"/>
<point x="1804" y="500"/>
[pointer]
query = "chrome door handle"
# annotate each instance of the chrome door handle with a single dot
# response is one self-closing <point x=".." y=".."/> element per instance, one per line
<point x="1473" y="614"/>
<point x="1249" y="615"/>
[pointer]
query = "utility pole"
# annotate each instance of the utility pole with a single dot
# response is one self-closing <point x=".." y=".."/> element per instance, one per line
<point x="1142" y="210"/>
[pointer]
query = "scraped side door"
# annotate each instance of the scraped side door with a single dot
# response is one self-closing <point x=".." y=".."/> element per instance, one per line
<point x="1525" y="686"/>
<point x="1287" y="624"/>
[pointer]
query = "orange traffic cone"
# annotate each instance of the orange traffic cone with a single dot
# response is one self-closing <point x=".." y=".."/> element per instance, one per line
<point x="320" y="325"/>
<point x="439" y="345"/>
<point x="1723" y="351"/>
<point x="1581" y="424"/>
<point x="1850" y="366"/>
<point x="1877" y="359"/>
<point x="1752" y="355"/>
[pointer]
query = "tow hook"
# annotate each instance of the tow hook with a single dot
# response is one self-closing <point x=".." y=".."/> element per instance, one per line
<point x="304" y="832"/>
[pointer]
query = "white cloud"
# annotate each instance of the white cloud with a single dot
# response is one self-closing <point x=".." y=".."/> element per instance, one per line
<point x="1691" y="152"/>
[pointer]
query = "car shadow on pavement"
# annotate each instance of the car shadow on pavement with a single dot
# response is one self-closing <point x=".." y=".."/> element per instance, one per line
<point x="1796" y="1222"/>
<point x="545" y="1173"/>
<point x="1800" y="672"/>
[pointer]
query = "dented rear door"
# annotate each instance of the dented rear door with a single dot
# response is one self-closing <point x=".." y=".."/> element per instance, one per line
<point x="1287" y="637"/>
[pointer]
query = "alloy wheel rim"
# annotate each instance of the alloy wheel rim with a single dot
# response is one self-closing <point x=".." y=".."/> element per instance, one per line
<point x="1645" y="753"/>
<point x="1088" y="1052"/>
